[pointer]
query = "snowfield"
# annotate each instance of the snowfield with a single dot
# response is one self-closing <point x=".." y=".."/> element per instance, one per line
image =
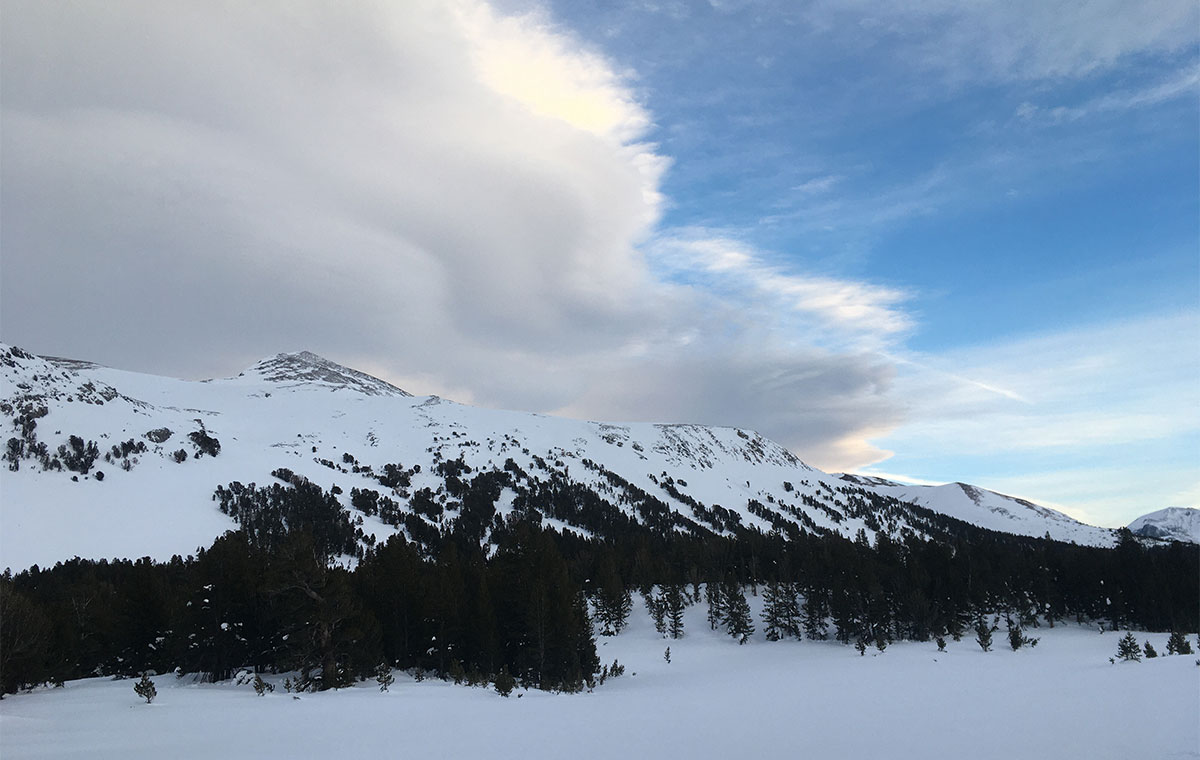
<point x="715" y="699"/>
<point x="305" y="413"/>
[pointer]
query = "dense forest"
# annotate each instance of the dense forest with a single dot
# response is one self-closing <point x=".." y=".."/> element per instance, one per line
<point x="467" y="593"/>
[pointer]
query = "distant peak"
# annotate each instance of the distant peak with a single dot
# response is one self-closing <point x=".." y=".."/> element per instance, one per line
<point x="305" y="367"/>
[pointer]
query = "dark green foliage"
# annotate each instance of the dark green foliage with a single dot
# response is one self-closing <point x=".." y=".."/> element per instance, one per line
<point x="269" y="515"/>
<point x="145" y="689"/>
<point x="716" y="604"/>
<point x="463" y="593"/>
<point x="180" y="456"/>
<point x="941" y="644"/>
<point x="781" y="612"/>
<point x="26" y="640"/>
<point x="983" y="634"/>
<point x="674" y="602"/>
<point x="1149" y="650"/>
<point x="737" y="620"/>
<point x="667" y="655"/>
<point x="261" y="687"/>
<point x="1015" y="639"/>
<point x="505" y="683"/>
<point x="613" y="601"/>
<point x="1177" y="643"/>
<point x="78" y="456"/>
<point x="384" y="677"/>
<point x="1128" y="649"/>
<point x="205" y="443"/>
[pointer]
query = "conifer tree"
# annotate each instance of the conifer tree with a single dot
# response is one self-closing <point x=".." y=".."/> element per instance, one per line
<point x="613" y="601"/>
<point x="145" y="688"/>
<point x="261" y="687"/>
<point x="658" y="611"/>
<point x="716" y="606"/>
<point x="505" y="683"/>
<point x="983" y="634"/>
<point x="1015" y="639"/>
<point x="384" y="677"/>
<point x="781" y="614"/>
<point x="1150" y="651"/>
<point x="1128" y="649"/>
<point x="738" y="622"/>
<point x="1178" y="644"/>
<point x="816" y="610"/>
<point x="674" y="601"/>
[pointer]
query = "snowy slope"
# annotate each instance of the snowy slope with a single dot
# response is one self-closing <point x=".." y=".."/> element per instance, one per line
<point x="1172" y="523"/>
<point x="316" y="418"/>
<point x="715" y="699"/>
<point x="988" y="509"/>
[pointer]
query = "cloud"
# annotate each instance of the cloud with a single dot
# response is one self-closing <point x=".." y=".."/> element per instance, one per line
<point x="997" y="41"/>
<point x="1180" y="84"/>
<point x="1105" y="418"/>
<point x="455" y="199"/>
<point x="826" y="310"/>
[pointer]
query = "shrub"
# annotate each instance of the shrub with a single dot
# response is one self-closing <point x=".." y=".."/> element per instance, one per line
<point x="1128" y="649"/>
<point x="145" y="688"/>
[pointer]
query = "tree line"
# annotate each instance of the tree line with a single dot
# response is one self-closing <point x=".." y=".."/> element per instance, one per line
<point x="475" y="595"/>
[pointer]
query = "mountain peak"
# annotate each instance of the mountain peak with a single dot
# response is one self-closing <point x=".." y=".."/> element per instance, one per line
<point x="305" y="367"/>
<point x="1172" y="523"/>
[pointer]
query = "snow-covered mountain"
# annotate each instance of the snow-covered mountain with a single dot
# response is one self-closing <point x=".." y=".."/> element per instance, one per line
<point x="107" y="463"/>
<point x="1172" y="523"/>
<point x="984" y="508"/>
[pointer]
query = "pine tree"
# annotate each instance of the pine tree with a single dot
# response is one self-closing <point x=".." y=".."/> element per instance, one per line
<point x="1178" y="644"/>
<point x="738" y="622"/>
<point x="1015" y="639"/>
<point x="658" y="611"/>
<point x="816" y="610"/>
<point x="261" y="687"/>
<point x="983" y="634"/>
<point x="505" y="683"/>
<point x="145" y="688"/>
<point x="1149" y="650"/>
<point x="667" y="655"/>
<point x="613" y="601"/>
<point x="1128" y="649"/>
<point x="781" y="614"/>
<point x="384" y="677"/>
<point x="674" y="601"/>
<point x="716" y="605"/>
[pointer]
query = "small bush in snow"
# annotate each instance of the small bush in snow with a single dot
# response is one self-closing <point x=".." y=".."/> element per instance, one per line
<point x="384" y="677"/>
<point x="505" y="683"/>
<point x="983" y="634"/>
<point x="1128" y="649"/>
<point x="261" y="687"/>
<point x="145" y="688"/>
<point x="1178" y="644"/>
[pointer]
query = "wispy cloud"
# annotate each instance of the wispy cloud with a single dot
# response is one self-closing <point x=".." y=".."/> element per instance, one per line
<point x="853" y="313"/>
<point x="1182" y="84"/>
<point x="1104" y="400"/>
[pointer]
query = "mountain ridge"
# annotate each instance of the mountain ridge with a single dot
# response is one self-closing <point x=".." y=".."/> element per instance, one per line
<point x="718" y="479"/>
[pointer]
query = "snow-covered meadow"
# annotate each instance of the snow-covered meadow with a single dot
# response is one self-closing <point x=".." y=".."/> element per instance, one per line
<point x="715" y="699"/>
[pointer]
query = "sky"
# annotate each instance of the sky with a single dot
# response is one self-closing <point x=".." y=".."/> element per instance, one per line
<point x="938" y="242"/>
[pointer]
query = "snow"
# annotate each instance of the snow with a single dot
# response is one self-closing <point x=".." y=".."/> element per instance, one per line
<point x="1174" y="523"/>
<point x="276" y="414"/>
<point x="715" y="699"/>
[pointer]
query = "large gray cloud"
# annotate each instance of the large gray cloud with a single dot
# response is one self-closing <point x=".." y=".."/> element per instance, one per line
<point x="186" y="188"/>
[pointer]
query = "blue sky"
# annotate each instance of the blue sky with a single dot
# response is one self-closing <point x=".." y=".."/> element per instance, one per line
<point x="1011" y="189"/>
<point x="939" y="240"/>
<point x="838" y="151"/>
